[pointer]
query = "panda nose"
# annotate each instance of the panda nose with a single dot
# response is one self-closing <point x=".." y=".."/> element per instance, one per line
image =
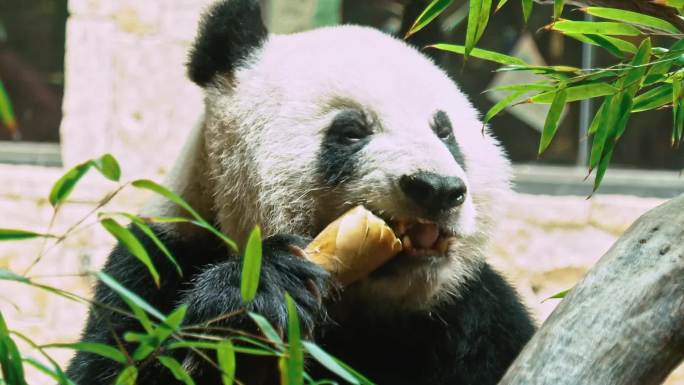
<point x="433" y="192"/>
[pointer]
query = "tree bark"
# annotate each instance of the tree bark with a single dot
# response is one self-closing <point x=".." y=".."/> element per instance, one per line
<point x="655" y="8"/>
<point x="623" y="324"/>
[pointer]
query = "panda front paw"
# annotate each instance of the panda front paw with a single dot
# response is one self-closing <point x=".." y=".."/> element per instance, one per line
<point x="215" y="291"/>
<point x="286" y="269"/>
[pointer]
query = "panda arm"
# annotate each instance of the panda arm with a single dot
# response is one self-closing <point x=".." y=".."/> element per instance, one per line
<point x="107" y="326"/>
<point x="468" y="340"/>
<point x="493" y="326"/>
<point x="210" y="286"/>
<point x="216" y="289"/>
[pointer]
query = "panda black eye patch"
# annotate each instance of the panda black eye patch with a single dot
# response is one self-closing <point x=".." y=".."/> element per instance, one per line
<point x="348" y="133"/>
<point x="441" y="125"/>
<point x="349" y="127"/>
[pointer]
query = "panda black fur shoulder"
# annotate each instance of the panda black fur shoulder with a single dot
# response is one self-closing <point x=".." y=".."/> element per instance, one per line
<point x="297" y="129"/>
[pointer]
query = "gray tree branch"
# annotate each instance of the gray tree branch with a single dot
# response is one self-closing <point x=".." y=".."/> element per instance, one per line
<point x="623" y="324"/>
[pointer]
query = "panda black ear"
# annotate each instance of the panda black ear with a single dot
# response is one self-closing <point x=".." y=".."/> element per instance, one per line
<point x="228" y="32"/>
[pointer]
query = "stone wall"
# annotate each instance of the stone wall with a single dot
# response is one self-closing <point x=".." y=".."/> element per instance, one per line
<point x="126" y="90"/>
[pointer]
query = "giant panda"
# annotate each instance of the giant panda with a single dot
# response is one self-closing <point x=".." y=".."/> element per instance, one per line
<point x="296" y="130"/>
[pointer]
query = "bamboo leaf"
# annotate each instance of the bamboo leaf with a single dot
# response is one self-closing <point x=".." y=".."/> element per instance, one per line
<point x="637" y="18"/>
<point x="267" y="329"/>
<point x="11" y="364"/>
<point x="166" y="193"/>
<point x="226" y="361"/>
<point x="193" y="344"/>
<point x="175" y="319"/>
<point x="527" y="9"/>
<point x="140" y="224"/>
<point x="128" y="376"/>
<point x="559" y="295"/>
<point x="6" y="110"/>
<point x="653" y="98"/>
<point x="56" y="374"/>
<point x="595" y="27"/>
<point x="65" y="185"/>
<point x="479" y="53"/>
<point x="128" y="295"/>
<point x="173" y="197"/>
<point x="214" y="346"/>
<point x="485" y="11"/>
<point x="599" y="117"/>
<point x="95" y="348"/>
<point x="329" y="362"/>
<point x="546" y="70"/>
<point x="127" y="239"/>
<point x="478" y="17"/>
<point x="603" y="164"/>
<point x="176" y="369"/>
<point x="603" y="126"/>
<point x="500" y="5"/>
<point x="552" y="118"/>
<point x="523" y="87"/>
<point x="675" y="3"/>
<point x="167" y="219"/>
<point x="656" y="75"/>
<point x="17" y="235"/>
<point x="631" y="83"/>
<point x="171" y="324"/>
<point x="251" y="266"/>
<point x="6" y="275"/>
<point x="147" y="346"/>
<point x="677" y="110"/>
<point x="558" y="8"/>
<point x="254" y="342"/>
<point x="617" y="47"/>
<point x="295" y="357"/>
<point x="634" y="75"/>
<point x="162" y="247"/>
<point x="141" y="316"/>
<point x="664" y="63"/>
<point x="622" y="45"/>
<point x="108" y="166"/>
<point x="434" y="9"/>
<point x="584" y="91"/>
<point x="362" y="379"/>
<point x="503" y="103"/>
<point x="471" y="31"/>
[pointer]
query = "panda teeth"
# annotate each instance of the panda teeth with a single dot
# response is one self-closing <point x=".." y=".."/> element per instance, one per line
<point x="406" y="242"/>
<point x="400" y="228"/>
<point x="442" y="245"/>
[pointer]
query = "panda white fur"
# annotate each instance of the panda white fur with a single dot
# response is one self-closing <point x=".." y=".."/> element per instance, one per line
<point x="298" y="129"/>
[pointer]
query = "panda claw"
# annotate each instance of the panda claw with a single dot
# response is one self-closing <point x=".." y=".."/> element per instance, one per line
<point x="313" y="289"/>
<point x="297" y="251"/>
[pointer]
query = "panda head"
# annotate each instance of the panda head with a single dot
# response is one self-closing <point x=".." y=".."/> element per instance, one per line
<point x="300" y="128"/>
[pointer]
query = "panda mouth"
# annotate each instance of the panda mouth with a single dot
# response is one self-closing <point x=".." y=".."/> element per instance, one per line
<point x="421" y="238"/>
